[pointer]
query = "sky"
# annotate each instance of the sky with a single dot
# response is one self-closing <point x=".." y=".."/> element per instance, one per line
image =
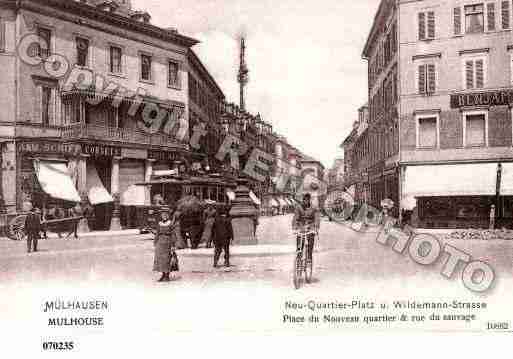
<point x="307" y="77"/>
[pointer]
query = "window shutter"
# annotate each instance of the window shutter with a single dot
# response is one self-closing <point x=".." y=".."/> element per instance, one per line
<point x="431" y="25"/>
<point x="469" y="70"/>
<point x="479" y="73"/>
<point x="505" y="15"/>
<point x="490" y="9"/>
<point x="2" y="35"/>
<point x="457" y="21"/>
<point x="422" y="79"/>
<point x="431" y="78"/>
<point x="422" y="26"/>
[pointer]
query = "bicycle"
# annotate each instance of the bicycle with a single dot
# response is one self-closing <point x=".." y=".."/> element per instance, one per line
<point x="303" y="262"/>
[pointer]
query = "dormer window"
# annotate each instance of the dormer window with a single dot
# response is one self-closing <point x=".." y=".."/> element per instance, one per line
<point x="110" y="6"/>
<point x="141" y="16"/>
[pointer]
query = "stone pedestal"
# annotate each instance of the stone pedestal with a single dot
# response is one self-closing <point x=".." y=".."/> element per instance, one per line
<point x="83" y="224"/>
<point x="115" y="222"/>
<point x="243" y="212"/>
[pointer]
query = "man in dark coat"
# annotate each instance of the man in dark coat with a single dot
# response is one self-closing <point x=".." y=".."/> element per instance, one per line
<point x="223" y="235"/>
<point x="33" y="228"/>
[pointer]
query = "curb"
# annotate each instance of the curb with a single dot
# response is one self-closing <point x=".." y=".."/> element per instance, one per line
<point x="242" y="251"/>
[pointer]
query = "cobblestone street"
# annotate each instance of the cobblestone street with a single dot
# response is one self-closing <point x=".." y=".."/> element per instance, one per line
<point x="347" y="266"/>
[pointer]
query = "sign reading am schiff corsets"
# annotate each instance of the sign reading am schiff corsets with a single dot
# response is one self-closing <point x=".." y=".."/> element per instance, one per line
<point x="489" y="98"/>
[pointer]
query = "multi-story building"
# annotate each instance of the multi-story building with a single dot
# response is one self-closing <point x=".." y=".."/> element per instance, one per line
<point x="356" y="148"/>
<point x="441" y="86"/>
<point x="380" y="145"/>
<point x="91" y="142"/>
<point x="335" y="175"/>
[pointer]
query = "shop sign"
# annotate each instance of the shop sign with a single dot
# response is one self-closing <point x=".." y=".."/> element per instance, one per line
<point x="164" y="156"/>
<point x="46" y="147"/>
<point x="491" y="98"/>
<point x="134" y="153"/>
<point x="97" y="150"/>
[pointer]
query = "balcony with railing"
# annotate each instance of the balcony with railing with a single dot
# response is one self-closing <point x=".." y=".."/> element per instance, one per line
<point x="105" y="122"/>
<point x="83" y="131"/>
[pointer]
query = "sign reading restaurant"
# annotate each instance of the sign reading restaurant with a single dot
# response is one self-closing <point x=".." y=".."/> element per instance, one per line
<point x="490" y="98"/>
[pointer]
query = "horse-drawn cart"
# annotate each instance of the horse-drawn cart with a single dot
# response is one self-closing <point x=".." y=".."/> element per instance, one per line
<point x="15" y="228"/>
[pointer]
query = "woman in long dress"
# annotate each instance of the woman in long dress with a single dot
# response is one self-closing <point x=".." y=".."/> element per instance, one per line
<point x="166" y="260"/>
<point x="209" y="217"/>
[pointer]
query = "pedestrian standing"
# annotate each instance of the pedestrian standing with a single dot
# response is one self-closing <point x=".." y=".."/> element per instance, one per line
<point x="33" y="229"/>
<point x="209" y="217"/>
<point x="166" y="260"/>
<point x="223" y="235"/>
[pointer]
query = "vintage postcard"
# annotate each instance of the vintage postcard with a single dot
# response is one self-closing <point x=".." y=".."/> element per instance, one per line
<point x="253" y="167"/>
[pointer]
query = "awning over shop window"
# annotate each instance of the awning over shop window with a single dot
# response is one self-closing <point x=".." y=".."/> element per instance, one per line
<point x="507" y="179"/>
<point x="96" y="191"/>
<point x="230" y="194"/>
<point x="55" y="180"/>
<point x="254" y="198"/>
<point x="134" y="196"/>
<point x="475" y="179"/>
<point x="282" y="202"/>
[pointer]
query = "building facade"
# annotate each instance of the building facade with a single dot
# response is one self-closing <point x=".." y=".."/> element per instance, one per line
<point x="453" y="61"/>
<point x="101" y="136"/>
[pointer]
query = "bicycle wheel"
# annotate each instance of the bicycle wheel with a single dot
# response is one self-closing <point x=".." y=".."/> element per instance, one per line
<point x="298" y="272"/>
<point x="309" y="270"/>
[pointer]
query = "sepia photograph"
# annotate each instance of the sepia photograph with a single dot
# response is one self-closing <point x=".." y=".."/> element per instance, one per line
<point x="311" y="168"/>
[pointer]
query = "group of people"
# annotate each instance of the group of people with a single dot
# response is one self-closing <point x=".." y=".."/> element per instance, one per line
<point x="217" y="230"/>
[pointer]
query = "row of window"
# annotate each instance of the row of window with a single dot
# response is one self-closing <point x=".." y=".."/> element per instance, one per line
<point x="474" y="74"/>
<point x="203" y="99"/>
<point x="384" y="100"/>
<point x="475" y="130"/>
<point x="385" y="52"/>
<point x="469" y="19"/>
<point x="116" y="64"/>
<point x="376" y="146"/>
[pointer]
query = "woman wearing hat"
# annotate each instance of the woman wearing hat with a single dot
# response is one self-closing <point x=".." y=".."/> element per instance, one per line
<point x="166" y="260"/>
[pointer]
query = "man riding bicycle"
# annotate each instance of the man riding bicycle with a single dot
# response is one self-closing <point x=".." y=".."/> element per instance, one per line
<point x="306" y="219"/>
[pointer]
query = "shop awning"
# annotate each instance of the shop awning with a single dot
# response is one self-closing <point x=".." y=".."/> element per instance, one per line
<point x="134" y="196"/>
<point x="475" y="179"/>
<point x="230" y="194"/>
<point x="282" y="202"/>
<point x="96" y="191"/>
<point x="160" y="173"/>
<point x="254" y="198"/>
<point x="55" y="180"/>
<point x="507" y="179"/>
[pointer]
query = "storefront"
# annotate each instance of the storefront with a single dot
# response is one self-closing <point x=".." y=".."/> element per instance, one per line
<point x="454" y="195"/>
<point x="47" y="174"/>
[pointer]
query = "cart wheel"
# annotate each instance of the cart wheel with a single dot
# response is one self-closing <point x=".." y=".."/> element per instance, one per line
<point x="16" y="230"/>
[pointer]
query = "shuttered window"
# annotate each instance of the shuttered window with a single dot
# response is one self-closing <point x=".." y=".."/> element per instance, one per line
<point x="469" y="74"/>
<point x="427" y="79"/>
<point x="427" y="132"/>
<point x="475" y="130"/>
<point x="426" y="25"/>
<point x="474" y="73"/>
<point x="457" y="20"/>
<point x="2" y="35"/>
<point x="479" y="73"/>
<point x="431" y="25"/>
<point x="490" y="16"/>
<point x="505" y="15"/>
